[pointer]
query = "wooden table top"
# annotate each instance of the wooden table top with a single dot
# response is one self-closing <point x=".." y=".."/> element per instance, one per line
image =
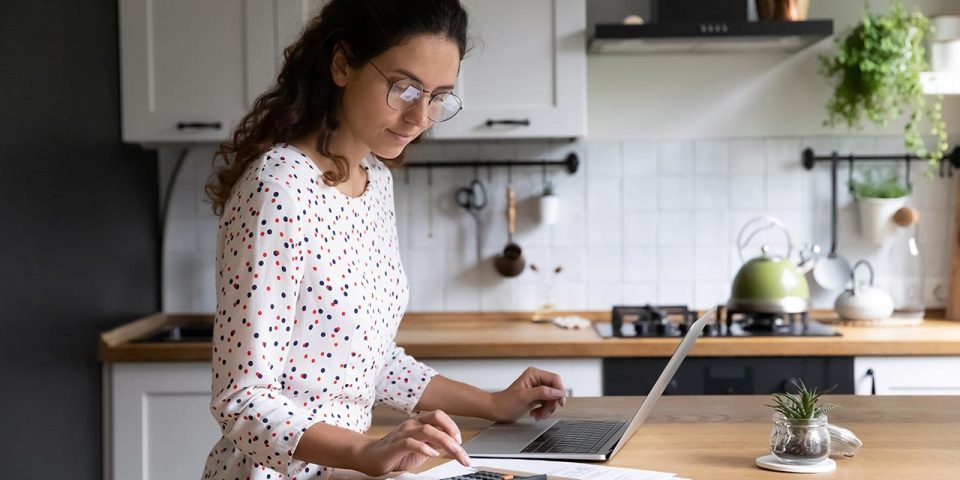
<point x="719" y="437"/>
<point x="513" y="335"/>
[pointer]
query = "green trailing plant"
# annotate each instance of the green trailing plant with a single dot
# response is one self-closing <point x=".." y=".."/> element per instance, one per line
<point x="875" y="73"/>
<point x="878" y="183"/>
<point x="803" y="405"/>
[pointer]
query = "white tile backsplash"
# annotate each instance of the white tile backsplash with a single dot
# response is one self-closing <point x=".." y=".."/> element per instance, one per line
<point x="604" y="229"/>
<point x="642" y="221"/>
<point x="675" y="193"/>
<point x="604" y="264"/>
<point x="747" y="156"/>
<point x="640" y="158"/>
<point x="603" y="194"/>
<point x="747" y="191"/>
<point x="711" y="157"/>
<point x="675" y="157"/>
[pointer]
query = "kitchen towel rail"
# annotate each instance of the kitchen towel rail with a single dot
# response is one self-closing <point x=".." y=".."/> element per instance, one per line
<point x="571" y="163"/>
<point x="810" y="159"/>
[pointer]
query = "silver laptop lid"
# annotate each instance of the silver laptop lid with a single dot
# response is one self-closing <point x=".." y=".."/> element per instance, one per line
<point x="665" y="376"/>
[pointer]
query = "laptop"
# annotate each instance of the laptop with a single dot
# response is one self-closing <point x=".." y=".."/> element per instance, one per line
<point x="577" y="439"/>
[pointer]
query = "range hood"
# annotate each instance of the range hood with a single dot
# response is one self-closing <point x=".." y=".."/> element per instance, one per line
<point x="708" y="36"/>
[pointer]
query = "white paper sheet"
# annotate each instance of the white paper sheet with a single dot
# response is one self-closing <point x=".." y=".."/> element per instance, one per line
<point x="560" y="469"/>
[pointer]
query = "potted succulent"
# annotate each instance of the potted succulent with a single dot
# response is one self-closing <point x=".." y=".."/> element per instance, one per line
<point x="800" y="435"/>
<point x="549" y="205"/>
<point x="875" y="73"/>
<point x="879" y="194"/>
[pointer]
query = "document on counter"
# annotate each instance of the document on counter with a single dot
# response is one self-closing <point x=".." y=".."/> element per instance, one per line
<point x="558" y="470"/>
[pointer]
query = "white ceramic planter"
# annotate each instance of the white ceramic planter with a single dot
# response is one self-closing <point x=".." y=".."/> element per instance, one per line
<point x="549" y="209"/>
<point x="876" y="217"/>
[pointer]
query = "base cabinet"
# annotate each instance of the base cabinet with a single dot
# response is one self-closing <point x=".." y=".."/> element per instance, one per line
<point x="157" y="420"/>
<point x="907" y="375"/>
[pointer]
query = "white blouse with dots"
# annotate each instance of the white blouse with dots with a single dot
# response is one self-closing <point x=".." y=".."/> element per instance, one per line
<point x="310" y="292"/>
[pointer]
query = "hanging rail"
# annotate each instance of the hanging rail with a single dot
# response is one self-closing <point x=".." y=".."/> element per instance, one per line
<point x="809" y="159"/>
<point x="571" y="163"/>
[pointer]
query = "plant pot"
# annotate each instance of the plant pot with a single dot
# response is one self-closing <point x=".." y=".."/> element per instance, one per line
<point x="876" y="217"/>
<point x="792" y="10"/>
<point x="800" y="442"/>
<point x="549" y="209"/>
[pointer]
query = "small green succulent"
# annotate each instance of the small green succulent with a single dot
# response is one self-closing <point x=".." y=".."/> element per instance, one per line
<point x="803" y="405"/>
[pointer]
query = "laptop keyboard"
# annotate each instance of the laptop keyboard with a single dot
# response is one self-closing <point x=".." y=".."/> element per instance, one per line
<point x="574" y="436"/>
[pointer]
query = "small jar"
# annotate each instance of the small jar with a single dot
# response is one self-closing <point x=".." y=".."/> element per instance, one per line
<point x="799" y="442"/>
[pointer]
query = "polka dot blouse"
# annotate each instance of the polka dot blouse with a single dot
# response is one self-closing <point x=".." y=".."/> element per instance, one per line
<point x="310" y="292"/>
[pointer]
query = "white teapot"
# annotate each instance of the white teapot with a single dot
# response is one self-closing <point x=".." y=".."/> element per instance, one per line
<point x="864" y="301"/>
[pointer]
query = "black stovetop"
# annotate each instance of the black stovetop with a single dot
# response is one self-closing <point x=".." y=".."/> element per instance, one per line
<point x="650" y="321"/>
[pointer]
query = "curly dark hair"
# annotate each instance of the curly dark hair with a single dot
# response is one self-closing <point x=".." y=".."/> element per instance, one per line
<point x="304" y="98"/>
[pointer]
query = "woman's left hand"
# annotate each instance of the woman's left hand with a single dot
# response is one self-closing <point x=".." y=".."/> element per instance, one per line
<point x="536" y="391"/>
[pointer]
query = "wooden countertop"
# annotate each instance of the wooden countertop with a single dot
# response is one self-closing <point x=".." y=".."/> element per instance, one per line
<point x="719" y="437"/>
<point x="512" y="335"/>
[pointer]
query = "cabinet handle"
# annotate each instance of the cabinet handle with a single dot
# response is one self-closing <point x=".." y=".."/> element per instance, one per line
<point x="198" y="125"/>
<point x="525" y="122"/>
<point x="873" y="381"/>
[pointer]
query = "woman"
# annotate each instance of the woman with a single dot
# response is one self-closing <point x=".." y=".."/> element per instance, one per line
<point x="310" y="287"/>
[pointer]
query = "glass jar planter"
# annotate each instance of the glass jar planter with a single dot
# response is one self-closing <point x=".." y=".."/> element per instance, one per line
<point x="800" y="442"/>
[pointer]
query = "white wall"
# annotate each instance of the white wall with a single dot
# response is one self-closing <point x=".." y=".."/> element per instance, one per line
<point x="727" y="95"/>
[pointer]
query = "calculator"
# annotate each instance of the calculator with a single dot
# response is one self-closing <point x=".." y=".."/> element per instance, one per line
<point x="487" y="475"/>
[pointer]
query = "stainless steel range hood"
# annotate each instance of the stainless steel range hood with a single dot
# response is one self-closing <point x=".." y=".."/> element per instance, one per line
<point x="708" y="37"/>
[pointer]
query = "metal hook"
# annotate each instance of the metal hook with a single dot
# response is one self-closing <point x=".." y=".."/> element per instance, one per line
<point x="906" y="159"/>
<point x="850" y="171"/>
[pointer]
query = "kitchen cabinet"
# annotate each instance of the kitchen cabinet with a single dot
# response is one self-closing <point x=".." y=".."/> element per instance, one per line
<point x="190" y="70"/>
<point x="526" y="75"/>
<point x="157" y="422"/>
<point x="935" y="375"/>
<point x="581" y="376"/>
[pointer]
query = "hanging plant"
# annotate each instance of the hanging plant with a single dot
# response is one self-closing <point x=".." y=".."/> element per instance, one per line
<point x="876" y="76"/>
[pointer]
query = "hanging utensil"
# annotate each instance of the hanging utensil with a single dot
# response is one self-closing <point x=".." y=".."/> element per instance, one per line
<point x="511" y="262"/>
<point x="832" y="272"/>
<point x="473" y="198"/>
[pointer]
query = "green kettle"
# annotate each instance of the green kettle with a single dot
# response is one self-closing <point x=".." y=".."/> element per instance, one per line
<point x="768" y="283"/>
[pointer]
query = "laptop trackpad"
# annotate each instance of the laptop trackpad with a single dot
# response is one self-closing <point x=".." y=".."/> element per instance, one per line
<point x="506" y="438"/>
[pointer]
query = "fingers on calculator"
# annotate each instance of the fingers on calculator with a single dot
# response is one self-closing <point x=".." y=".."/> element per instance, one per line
<point x="487" y="475"/>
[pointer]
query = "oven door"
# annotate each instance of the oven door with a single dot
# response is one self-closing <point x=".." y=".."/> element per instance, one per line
<point x="728" y="375"/>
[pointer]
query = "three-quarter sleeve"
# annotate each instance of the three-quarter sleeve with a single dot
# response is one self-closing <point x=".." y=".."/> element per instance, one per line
<point x="261" y="264"/>
<point x="402" y="380"/>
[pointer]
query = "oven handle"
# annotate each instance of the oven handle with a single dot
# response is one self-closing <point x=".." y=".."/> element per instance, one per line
<point x="873" y="381"/>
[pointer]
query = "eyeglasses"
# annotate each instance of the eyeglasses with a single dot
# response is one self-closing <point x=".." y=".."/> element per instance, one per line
<point x="406" y="92"/>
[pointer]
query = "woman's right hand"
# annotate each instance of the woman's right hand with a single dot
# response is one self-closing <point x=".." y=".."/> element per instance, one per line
<point x="412" y="443"/>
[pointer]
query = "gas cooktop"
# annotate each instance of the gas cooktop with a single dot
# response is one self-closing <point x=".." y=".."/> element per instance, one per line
<point x="650" y="321"/>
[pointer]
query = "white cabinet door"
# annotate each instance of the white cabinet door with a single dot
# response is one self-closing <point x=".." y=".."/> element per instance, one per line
<point x="190" y="69"/>
<point x="582" y="377"/>
<point x="907" y="375"/>
<point x="292" y="17"/>
<point x="158" y="420"/>
<point x="528" y="64"/>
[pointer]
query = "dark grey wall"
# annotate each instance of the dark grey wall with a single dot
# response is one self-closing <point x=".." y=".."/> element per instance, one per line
<point x="78" y="230"/>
